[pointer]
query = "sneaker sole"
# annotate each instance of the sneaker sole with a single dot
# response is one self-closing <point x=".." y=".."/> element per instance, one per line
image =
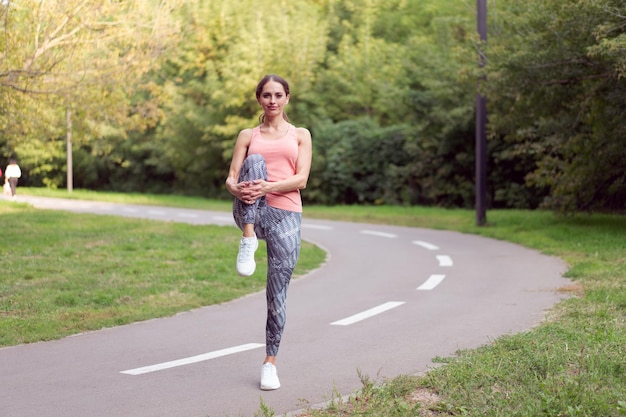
<point x="246" y="274"/>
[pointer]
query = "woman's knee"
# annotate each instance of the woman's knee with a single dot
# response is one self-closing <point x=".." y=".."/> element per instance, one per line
<point x="254" y="158"/>
<point x="253" y="168"/>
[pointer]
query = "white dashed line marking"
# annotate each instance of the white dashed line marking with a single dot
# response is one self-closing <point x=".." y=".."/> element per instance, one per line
<point x="223" y="219"/>
<point x="375" y="233"/>
<point x="192" y="359"/>
<point x="156" y="212"/>
<point x="316" y="226"/>
<point x="368" y="313"/>
<point x="426" y="245"/>
<point x="444" y="260"/>
<point x="431" y="282"/>
<point x="187" y="215"/>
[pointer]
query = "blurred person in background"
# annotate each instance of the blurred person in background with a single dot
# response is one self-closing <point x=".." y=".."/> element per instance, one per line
<point x="11" y="175"/>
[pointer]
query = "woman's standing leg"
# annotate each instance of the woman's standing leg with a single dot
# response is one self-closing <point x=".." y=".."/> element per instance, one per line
<point x="282" y="229"/>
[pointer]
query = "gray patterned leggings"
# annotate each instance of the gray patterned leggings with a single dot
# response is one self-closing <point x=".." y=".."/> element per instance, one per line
<point x="281" y="231"/>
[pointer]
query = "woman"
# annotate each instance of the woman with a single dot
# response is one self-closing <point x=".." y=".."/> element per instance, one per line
<point x="270" y="165"/>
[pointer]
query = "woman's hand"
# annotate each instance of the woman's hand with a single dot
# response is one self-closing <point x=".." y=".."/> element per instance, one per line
<point x="250" y="191"/>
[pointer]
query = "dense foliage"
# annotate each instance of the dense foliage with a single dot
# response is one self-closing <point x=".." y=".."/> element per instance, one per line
<point x="386" y="87"/>
<point x="558" y="80"/>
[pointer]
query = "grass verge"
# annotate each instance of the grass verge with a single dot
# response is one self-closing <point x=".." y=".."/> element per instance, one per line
<point x="65" y="273"/>
<point x="573" y="364"/>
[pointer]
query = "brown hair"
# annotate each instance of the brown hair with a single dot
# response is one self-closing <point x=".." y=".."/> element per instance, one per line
<point x="261" y="84"/>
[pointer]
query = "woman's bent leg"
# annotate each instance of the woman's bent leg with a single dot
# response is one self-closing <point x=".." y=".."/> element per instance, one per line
<point x="246" y="215"/>
<point x="253" y="168"/>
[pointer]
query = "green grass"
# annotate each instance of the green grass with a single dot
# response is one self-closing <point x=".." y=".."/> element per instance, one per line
<point x="573" y="364"/>
<point x="65" y="273"/>
<point x="131" y="198"/>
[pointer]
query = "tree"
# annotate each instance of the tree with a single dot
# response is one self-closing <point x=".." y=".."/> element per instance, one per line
<point x="82" y="57"/>
<point x="557" y="78"/>
<point x="356" y="163"/>
<point x="210" y="79"/>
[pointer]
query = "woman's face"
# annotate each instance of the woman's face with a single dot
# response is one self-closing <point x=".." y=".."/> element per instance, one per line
<point x="273" y="98"/>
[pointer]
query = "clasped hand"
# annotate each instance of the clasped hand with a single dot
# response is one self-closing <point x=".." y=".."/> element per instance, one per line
<point x="250" y="191"/>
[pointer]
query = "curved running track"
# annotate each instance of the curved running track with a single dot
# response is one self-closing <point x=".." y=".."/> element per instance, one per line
<point x="387" y="301"/>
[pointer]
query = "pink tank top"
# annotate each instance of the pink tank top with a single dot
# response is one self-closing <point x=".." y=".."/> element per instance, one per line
<point x="280" y="156"/>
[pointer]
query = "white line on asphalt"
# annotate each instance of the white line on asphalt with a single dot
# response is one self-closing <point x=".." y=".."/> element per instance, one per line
<point x="444" y="260"/>
<point x="368" y="313"/>
<point x="187" y="215"/>
<point x="192" y="359"/>
<point x="381" y="234"/>
<point x="129" y="210"/>
<point x="431" y="282"/>
<point x="223" y="219"/>
<point x="316" y="226"/>
<point x="426" y="245"/>
<point x="156" y="212"/>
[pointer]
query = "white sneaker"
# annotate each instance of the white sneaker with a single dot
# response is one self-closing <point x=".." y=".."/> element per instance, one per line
<point x="269" y="377"/>
<point x="245" y="258"/>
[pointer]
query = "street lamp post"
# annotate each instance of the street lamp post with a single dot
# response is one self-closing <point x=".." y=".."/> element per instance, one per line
<point x="481" y="122"/>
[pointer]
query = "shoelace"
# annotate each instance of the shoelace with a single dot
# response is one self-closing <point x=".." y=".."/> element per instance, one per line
<point x="268" y="371"/>
<point x="245" y="249"/>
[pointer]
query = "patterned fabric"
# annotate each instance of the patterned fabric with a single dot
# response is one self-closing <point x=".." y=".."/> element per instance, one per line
<point x="281" y="231"/>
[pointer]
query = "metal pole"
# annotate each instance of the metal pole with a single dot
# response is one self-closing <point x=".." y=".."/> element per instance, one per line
<point x="68" y="145"/>
<point x="481" y="122"/>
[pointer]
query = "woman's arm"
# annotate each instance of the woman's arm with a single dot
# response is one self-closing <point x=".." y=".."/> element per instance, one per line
<point x="239" y="154"/>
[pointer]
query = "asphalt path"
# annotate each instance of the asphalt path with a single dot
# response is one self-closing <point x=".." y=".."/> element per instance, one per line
<point x="386" y="302"/>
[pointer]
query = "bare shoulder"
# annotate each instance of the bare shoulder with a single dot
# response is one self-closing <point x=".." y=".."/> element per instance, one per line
<point x="244" y="136"/>
<point x="303" y="134"/>
<point x="245" y="132"/>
